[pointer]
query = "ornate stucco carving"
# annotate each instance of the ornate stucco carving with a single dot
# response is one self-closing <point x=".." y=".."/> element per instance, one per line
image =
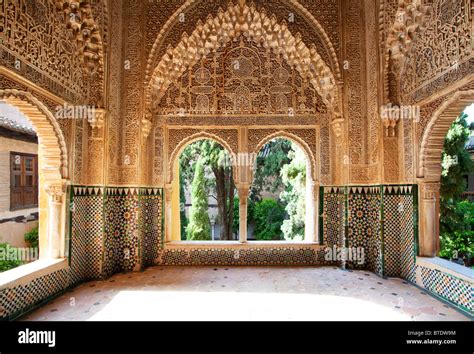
<point x="411" y="18"/>
<point x="238" y="20"/>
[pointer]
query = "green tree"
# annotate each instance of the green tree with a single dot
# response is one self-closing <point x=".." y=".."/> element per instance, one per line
<point x="212" y="154"/>
<point x="199" y="227"/>
<point x="294" y="179"/>
<point x="269" y="215"/>
<point x="456" y="160"/>
<point x="456" y="216"/>
<point x="270" y="160"/>
<point x="182" y="203"/>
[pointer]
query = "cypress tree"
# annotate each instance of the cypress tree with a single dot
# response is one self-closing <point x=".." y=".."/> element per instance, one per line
<point x="199" y="227"/>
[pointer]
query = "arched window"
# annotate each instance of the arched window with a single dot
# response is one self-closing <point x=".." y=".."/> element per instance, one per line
<point x="206" y="192"/>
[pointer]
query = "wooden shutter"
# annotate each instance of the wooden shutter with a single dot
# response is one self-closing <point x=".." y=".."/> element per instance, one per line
<point x="24" y="181"/>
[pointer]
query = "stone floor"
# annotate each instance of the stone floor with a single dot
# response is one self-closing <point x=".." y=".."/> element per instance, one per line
<point x="246" y="293"/>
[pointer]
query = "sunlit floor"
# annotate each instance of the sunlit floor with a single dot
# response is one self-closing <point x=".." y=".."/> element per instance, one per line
<point x="246" y="293"/>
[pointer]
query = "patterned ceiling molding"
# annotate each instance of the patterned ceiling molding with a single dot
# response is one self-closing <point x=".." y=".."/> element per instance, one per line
<point x="238" y="20"/>
<point x="410" y="18"/>
<point x="50" y="138"/>
<point x="432" y="140"/>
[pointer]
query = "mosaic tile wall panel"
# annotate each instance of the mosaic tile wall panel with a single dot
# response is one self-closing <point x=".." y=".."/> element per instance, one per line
<point x="333" y="215"/>
<point x="150" y="218"/>
<point x="22" y="298"/>
<point x="388" y="240"/>
<point x="254" y="256"/>
<point x="457" y="291"/>
<point x="399" y="238"/>
<point x="375" y="258"/>
<point x="363" y="232"/>
<point x="87" y="232"/>
<point x="122" y="232"/>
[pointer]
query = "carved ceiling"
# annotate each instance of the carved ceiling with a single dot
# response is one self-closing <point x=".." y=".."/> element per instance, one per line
<point x="254" y="25"/>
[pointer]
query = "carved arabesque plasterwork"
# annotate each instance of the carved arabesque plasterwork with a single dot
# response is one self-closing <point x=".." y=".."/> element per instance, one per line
<point x="431" y="141"/>
<point x="442" y="54"/>
<point x="54" y="43"/>
<point x="410" y="20"/>
<point x="247" y="21"/>
<point x="114" y="88"/>
<point x="79" y="18"/>
<point x="182" y="15"/>
<point x="36" y="44"/>
<point x="241" y="78"/>
<point x="54" y="154"/>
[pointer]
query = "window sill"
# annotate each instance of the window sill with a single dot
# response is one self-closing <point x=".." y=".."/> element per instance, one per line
<point x="448" y="267"/>
<point x="241" y="245"/>
<point x="26" y="273"/>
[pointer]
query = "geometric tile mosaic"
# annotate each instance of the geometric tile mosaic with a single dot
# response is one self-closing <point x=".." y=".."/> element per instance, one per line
<point x="303" y="255"/>
<point x="378" y="219"/>
<point x="454" y="290"/>
<point x="121" y="229"/>
<point x="19" y="299"/>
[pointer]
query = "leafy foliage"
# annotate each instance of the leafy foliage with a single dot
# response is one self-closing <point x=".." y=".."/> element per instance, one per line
<point x="456" y="216"/>
<point x="457" y="237"/>
<point x="7" y="259"/>
<point x="268" y="215"/>
<point x="270" y="160"/>
<point x="31" y="237"/>
<point x="199" y="227"/>
<point x="456" y="160"/>
<point x="294" y="179"/>
<point x="220" y="186"/>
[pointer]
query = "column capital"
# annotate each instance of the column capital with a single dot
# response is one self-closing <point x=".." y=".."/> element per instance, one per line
<point x="430" y="190"/>
<point x="56" y="191"/>
<point x="168" y="187"/>
<point x="243" y="190"/>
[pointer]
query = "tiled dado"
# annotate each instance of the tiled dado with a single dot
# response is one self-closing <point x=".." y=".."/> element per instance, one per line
<point x="243" y="255"/>
<point x="380" y="219"/>
<point x="457" y="290"/>
<point x="19" y="299"/>
<point x="115" y="229"/>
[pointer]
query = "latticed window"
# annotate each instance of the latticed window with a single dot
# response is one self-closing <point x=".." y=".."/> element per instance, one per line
<point x="23" y="180"/>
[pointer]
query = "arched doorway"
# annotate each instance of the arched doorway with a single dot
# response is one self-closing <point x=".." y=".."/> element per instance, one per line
<point x="52" y="168"/>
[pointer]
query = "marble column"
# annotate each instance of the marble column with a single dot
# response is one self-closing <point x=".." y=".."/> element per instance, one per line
<point x="312" y="207"/>
<point x="55" y="206"/>
<point x="243" y="191"/>
<point x="168" y="212"/>
<point x="429" y="219"/>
